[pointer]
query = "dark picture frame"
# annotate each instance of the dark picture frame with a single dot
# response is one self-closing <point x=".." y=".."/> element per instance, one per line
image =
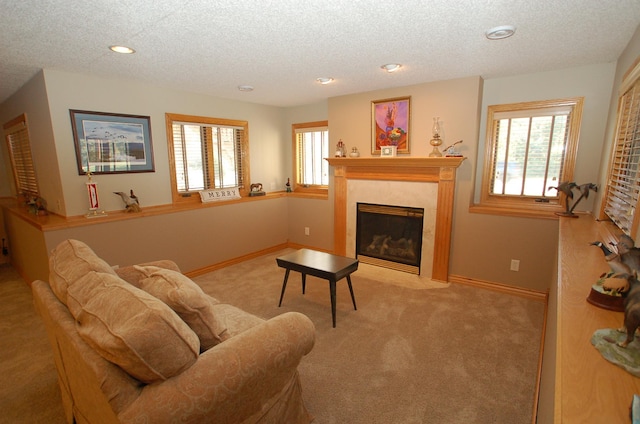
<point x="391" y="124"/>
<point x="112" y="143"/>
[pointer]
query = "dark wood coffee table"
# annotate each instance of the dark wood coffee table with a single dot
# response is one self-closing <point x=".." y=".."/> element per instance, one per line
<point x="321" y="265"/>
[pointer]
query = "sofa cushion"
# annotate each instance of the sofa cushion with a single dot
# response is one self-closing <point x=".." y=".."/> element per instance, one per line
<point x="69" y="261"/>
<point x="188" y="300"/>
<point x="131" y="328"/>
<point x="133" y="275"/>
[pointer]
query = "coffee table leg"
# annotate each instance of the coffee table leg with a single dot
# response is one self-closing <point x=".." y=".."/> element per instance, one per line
<point x="304" y="282"/>
<point x="351" y="290"/>
<point x="332" y="290"/>
<point x="284" y="286"/>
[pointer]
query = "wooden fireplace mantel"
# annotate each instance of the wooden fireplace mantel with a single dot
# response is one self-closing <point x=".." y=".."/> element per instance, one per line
<point x="435" y="170"/>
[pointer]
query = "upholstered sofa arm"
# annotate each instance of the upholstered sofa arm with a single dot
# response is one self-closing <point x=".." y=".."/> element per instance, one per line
<point x="232" y="381"/>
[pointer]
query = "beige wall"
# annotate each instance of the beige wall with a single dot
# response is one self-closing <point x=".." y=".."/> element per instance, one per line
<point x="482" y="245"/>
<point x="269" y="164"/>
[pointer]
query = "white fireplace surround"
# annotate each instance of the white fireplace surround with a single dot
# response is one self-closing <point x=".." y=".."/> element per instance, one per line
<point x="427" y="183"/>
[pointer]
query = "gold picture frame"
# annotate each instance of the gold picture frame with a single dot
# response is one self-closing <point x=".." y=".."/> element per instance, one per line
<point x="391" y="124"/>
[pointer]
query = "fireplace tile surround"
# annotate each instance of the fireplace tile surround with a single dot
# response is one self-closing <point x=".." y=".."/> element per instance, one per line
<point x="418" y="182"/>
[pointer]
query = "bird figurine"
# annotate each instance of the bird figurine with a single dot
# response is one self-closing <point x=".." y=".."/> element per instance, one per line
<point x="629" y="254"/>
<point x="613" y="259"/>
<point x="131" y="202"/>
<point x="567" y="189"/>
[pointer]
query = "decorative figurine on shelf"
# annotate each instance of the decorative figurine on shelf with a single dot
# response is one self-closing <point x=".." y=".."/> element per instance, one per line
<point x="255" y="189"/>
<point x="131" y="202"/>
<point x="567" y="189"/>
<point x="94" y="204"/>
<point x="37" y="205"/>
<point x="288" y="185"/>
<point x="340" y="150"/>
<point x="354" y="152"/>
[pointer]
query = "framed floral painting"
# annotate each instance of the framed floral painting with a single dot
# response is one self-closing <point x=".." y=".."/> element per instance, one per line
<point x="390" y="119"/>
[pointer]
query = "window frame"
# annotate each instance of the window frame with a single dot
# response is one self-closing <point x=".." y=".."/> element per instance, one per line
<point x="298" y="187"/>
<point x="23" y="167"/>
<point x="529" y="206"/>
<point x="191" y="196"/>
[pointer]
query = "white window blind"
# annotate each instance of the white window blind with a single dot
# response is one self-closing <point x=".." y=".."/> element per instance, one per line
<point x="623" y="184"/>
<point x="207" y="156"/>
<point x="311" y="148"/>
<point x="17" y="136"/>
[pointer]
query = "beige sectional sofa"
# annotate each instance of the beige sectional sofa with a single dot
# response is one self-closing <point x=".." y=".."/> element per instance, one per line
<point x="144" y="344"/>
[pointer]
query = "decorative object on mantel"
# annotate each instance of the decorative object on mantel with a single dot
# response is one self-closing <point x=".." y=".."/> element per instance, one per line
<point x="436" y="140"/>
<point x="131" y="203"/>
<point x="288" y="185"/>
<point x="388" y="151"/>
<point x="567" y="189"/>
<point x="219" y="194"/>
<point x="450" y="151"/>
<point x="340" y="150"/>
<point x="354" y="152"/>
<point x="255" y="189"/>
<point x="94" y="203"/>
<point x="390" y="119"/>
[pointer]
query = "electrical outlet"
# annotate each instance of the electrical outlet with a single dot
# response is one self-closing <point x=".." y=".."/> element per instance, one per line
<point x="306" y="231"/>
<point x="515" y="265"/>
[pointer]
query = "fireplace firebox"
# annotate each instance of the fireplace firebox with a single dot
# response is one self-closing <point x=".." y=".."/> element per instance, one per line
<point x="389" y="236"/>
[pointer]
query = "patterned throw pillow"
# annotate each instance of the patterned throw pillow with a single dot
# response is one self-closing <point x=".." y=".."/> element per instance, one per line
<point x="131" y="328"/>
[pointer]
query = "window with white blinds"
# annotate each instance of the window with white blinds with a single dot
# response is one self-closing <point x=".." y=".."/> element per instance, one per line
<point x="311" y="147"/>
<point x="207" y="153"/>
<point x="623" y="183"/>
<point x="17" y="136"/>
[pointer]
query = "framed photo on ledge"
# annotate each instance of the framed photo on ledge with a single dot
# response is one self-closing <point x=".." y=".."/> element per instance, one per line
<point x="391" y="126"/>
<point x="111" y="143"/>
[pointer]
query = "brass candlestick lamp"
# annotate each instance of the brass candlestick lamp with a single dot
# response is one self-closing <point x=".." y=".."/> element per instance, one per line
<point x="436" y="140"/>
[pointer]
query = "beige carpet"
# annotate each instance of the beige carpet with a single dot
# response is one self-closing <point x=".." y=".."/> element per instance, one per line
<point x="456" y="354"/>
<point x="453" y="355"/>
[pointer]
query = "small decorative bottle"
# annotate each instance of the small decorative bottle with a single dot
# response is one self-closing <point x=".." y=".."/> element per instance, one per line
<point x="340" y="153"/>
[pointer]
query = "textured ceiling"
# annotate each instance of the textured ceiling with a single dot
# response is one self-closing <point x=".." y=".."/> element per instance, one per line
<point x="281" y="46"/>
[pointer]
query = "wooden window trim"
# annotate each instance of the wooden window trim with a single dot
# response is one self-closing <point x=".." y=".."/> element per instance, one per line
<point x="527" y="206"/>
<point x="180" y="198"/>
<point x="296" y="186"/>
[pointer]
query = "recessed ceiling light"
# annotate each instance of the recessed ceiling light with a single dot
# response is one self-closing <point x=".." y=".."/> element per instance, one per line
<point x="324" y="80"/>
<point x="500" y="32"/>
<point x="245" y="88"/>
<point x="122" y="49"/>
<point x="391" y="67"/>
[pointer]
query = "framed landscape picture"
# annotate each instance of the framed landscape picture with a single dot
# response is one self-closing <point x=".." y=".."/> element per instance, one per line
<point x="111" y="143"/>
<point x="390" y="119"/>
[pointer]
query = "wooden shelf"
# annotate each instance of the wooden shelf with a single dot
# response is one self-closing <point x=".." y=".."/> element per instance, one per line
<point x="588" y="388"/>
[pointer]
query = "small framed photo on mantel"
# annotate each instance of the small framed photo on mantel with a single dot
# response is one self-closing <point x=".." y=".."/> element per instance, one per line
<point x="391" y="125"/>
